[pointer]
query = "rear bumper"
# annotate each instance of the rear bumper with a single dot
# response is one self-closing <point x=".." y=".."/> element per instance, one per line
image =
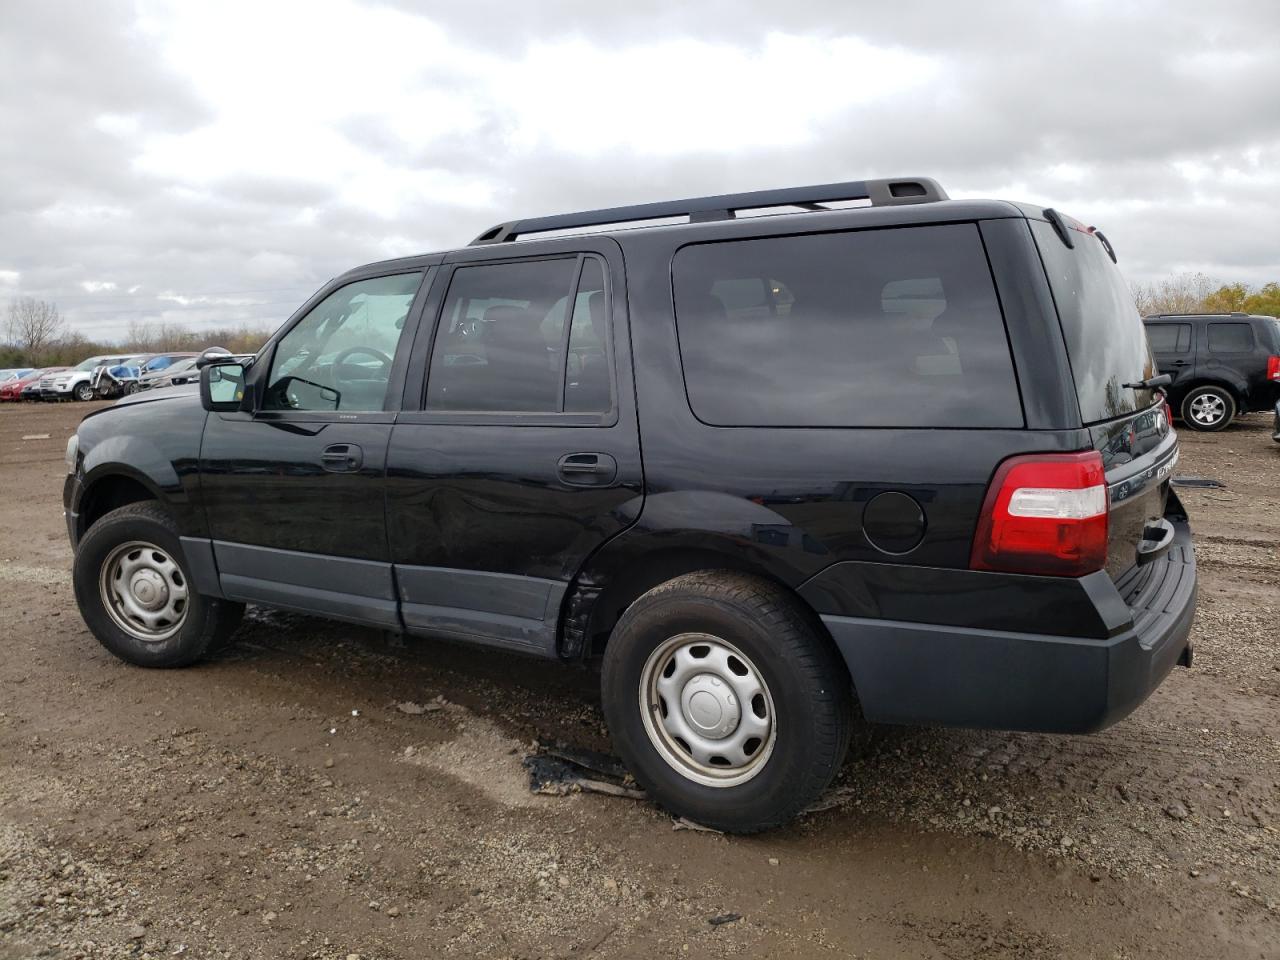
<point x="971" y="677"/>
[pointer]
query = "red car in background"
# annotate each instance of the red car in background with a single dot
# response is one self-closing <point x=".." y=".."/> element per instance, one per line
<point x="12" y="389"/>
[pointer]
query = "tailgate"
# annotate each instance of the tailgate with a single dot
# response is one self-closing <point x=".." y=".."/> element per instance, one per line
<point x="1139" y="453"/>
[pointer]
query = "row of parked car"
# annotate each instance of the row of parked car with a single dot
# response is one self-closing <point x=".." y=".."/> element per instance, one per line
<point x="100" y="377"/>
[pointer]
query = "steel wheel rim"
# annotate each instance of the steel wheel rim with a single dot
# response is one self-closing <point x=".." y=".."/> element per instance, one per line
<point x="1208" y="409"/>
<point x="144" y="591"/>
<point x="707" y="710"/>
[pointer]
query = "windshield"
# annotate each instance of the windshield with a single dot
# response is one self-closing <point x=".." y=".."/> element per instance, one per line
<point x="1106" y="341"/>
<point x="90" y="364"/>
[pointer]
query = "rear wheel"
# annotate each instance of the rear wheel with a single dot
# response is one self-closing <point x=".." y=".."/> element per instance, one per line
<point x="136" y="594"/>
<point x="1208" y="408"/>
<point x="726" y="700"/>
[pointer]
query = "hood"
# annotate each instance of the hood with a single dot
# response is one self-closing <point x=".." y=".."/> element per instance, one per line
<point x="183" y="395"/>
<point x="183" y="391"/>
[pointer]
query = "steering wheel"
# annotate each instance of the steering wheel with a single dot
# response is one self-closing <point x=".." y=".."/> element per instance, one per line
<point x="361" y="373"/>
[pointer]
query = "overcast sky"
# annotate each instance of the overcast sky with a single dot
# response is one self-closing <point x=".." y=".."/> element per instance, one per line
<point x="206" y="162"/>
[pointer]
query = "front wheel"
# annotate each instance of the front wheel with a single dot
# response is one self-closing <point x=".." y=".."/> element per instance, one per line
<point x="1208" y="408"/>
<point x="83" y="391"/>
<point x="726" y="700"/>
<point x="136" y="595"/>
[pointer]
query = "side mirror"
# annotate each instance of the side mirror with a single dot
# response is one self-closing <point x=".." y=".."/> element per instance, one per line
<point x="222" y="386"/>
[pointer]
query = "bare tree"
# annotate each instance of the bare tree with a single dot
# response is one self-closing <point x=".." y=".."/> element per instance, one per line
<point x="141" y="337"/>
<point x="1181" y="293"/>
<point x="34" y="326"/>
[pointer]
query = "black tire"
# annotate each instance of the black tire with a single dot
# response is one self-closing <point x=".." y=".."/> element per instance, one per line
<point x="83" y="391"/>
<point x="207" y="623"/>
<point x="1214" y="399"/>
<point x="811" y="693"/>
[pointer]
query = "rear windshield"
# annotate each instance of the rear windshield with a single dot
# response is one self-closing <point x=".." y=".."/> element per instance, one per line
<point x="878" y="328"/>
<point x="1106" y="341"/>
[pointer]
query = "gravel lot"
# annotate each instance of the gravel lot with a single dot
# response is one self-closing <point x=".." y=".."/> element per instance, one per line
<point x="277" y="802"/>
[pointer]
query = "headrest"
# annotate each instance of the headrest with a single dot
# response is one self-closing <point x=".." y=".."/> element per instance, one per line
<point x="707" y="305"/>
<point x="513" y="329"/>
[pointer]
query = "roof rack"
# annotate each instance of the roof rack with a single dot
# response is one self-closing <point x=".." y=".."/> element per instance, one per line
<point x="1216" y="313"/>
<point x="724" y="207"/>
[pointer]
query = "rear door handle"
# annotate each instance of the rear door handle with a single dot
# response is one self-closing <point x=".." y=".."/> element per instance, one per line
<point x="342" y="458"/>
<point x="587" y="469"/>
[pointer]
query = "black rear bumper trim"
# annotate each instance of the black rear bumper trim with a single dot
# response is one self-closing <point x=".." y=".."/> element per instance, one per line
<point x="925" y="673"/>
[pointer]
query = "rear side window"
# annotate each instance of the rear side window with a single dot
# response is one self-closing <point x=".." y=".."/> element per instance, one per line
<point x="1169" y="337"/>
<point x="504" y="345"/>
<point x="879" y="328"/>
<point x="1230" y="338"/>
<point x="1105" y="337"/>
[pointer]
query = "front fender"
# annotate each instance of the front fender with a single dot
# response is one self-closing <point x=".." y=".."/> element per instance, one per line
<point x="157" y="445"/>
<point x="135" y="457"/>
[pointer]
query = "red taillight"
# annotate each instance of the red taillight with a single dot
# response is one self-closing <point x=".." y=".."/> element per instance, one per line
<point x="1044" y="514"/>
<point x="1273" y="368"/>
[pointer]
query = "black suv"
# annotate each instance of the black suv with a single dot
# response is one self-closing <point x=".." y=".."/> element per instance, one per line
<point x="905" y="462"/>
<point x="1222" y="364"/>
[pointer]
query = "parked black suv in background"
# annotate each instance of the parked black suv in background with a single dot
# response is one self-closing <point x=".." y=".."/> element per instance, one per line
<point x="1222" y="364"/>
<point x="906" y="460"/>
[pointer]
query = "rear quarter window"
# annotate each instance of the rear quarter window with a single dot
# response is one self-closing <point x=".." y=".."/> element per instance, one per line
<point x="1105" y="337"/>
<point x="1271" y="333"/>
<point x="1230" y="338"/>
<point x="884" y="328"/>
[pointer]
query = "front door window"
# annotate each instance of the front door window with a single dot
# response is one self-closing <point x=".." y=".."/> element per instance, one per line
<point x="338" y="357"/>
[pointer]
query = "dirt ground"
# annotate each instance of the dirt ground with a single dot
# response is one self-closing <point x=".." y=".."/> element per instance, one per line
<point x="276" y="802"/>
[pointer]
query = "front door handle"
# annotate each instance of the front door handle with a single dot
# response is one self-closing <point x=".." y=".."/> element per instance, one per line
<point x="588" y="469"/>
<point x="342" y="458"/>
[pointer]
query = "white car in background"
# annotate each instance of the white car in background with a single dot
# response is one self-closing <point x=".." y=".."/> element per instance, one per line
<point x="76" y="383"/>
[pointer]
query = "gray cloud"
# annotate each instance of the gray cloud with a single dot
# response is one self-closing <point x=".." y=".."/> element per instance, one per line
<point x="1156" y="121"/>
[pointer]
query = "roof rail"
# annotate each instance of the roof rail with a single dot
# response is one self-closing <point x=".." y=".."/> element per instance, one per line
<point x="1214" y="313"/>
<point x="724" y="207"/>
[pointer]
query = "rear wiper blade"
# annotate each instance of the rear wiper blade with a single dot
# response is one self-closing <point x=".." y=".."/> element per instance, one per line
<point x="1151" y="383"/>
